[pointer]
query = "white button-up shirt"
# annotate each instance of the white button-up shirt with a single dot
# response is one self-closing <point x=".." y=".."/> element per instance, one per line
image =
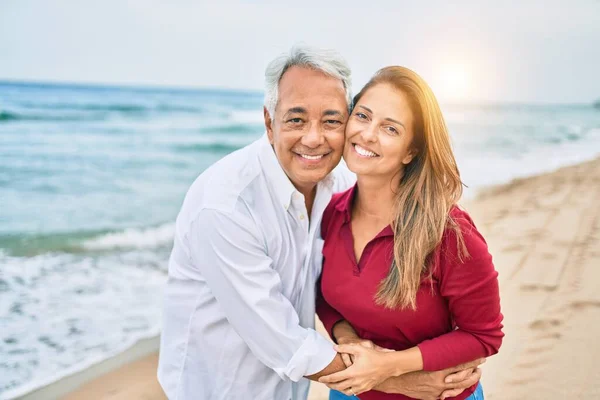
<point x="240" y="300"/>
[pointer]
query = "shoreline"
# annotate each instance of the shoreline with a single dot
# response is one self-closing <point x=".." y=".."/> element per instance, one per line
<point x="542" y="231"/>
<point x="142" y="349"/>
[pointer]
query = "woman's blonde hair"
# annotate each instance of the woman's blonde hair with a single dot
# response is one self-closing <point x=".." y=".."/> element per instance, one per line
<point x="429" y="188"/>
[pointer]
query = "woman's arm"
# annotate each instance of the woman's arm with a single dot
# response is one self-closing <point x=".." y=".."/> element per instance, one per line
<point x="470" y="286"/>
<point x="338" y="328"/>
<point x="344" y="333"/>
<point x="328" y="315"/>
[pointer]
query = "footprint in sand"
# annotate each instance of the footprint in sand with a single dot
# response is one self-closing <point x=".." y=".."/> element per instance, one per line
<point x="513" y="247"/>
<point x="537" y="349"/>
<point x="538" y="288"/>
<point x="521" y="381"/>
<point x="550" y="335"/>
<point x="528" y="364"/>
<point x="580" y="305"/>
<point x="543" y="324"/>
<point x="549" y="256"/>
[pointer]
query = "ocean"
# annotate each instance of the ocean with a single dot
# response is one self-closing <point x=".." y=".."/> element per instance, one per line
<point x="92" y="177"/>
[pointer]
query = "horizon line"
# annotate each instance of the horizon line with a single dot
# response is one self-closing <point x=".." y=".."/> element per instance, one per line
<point x="191" y="88"/>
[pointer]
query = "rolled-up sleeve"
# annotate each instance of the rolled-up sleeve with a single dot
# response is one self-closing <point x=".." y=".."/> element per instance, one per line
<point x="229" y="252"/>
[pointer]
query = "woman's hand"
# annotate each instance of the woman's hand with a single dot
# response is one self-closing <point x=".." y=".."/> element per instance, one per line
<point x="344" y="333"/>
<point x="371" y="365"/>
<point x="348" y="358"/>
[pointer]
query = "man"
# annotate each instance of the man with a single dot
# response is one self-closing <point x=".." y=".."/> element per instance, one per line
<point x="240" y="301"/>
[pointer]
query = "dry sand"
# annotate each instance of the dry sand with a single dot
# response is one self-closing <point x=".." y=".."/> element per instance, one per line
<point x="544" y="233"/>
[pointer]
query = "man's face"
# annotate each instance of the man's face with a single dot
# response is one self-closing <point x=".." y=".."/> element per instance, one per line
<point x="307" y="130"/>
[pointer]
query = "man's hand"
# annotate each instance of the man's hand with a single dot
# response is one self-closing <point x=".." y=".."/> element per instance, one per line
<point x="435" y="385"/>
<point x="465" y="378"/>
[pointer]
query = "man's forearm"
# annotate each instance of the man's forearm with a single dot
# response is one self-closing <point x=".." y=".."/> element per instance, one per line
<point x="417" y="385"/>
<point x="396" y="384"/>
<point x="334" y="366"/>
<point x="430" y="385"/>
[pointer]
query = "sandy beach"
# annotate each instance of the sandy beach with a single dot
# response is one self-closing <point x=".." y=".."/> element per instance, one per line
<point x="544" y="234"/>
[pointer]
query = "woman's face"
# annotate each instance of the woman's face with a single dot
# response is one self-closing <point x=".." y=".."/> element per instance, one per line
<point x="379" y="133"/>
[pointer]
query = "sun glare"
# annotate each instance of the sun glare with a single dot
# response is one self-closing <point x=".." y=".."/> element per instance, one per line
<point x="452" y="82"/>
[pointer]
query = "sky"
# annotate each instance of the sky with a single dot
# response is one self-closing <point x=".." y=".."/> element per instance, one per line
<point x="500" y="51"/>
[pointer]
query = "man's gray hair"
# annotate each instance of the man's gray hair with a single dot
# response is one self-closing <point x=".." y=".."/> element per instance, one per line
<point x="329" y="62"/>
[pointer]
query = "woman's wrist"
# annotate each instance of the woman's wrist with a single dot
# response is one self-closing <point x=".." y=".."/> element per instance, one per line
<point x="405" y="361"/>
<point x="395" y="363"/>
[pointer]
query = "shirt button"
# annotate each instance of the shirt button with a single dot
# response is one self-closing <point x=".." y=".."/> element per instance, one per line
<point x="301" y="216"/>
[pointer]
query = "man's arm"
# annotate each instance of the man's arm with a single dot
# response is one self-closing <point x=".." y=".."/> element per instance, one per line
<point x="228" y="252"/>
<point x="433" y="385"/>
<point x="336" y="365"/>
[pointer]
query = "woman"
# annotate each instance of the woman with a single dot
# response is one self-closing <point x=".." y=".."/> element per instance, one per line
<point x="404" y="267"/>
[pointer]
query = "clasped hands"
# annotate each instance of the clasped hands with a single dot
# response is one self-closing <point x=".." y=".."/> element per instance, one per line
<point x="370" y="367"/>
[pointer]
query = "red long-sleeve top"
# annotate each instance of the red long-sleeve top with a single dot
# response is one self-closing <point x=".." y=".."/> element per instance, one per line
<point x="458" y="316"/>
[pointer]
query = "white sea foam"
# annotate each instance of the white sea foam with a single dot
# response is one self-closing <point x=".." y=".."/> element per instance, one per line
<point x="62" y="313"/>
<point x="133" y="239"/>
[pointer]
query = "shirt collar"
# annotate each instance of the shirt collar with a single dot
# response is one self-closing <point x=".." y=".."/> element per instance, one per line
<point x="345" y="204"/>
<point x="283" y="187"/>
<point x="276" y="176"/>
